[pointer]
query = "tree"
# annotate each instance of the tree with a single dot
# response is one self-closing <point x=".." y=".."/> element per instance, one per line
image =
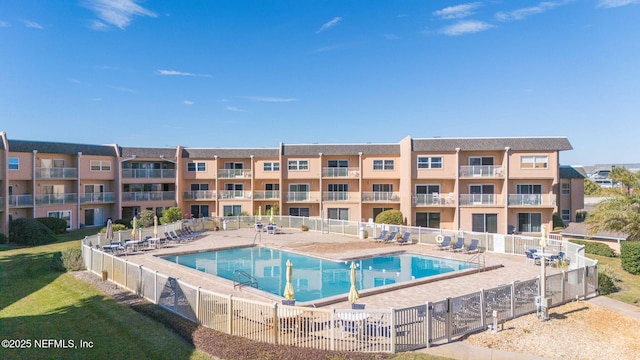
<point x="620" y="212"/>
<point x="146" y="218"/>
<point x="393" y="217"/>
<point x="591" y="188"/>
<point x="171" y="215"/>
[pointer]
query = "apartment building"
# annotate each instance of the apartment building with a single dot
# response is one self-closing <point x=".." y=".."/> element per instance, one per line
<point x="479" y="184"/>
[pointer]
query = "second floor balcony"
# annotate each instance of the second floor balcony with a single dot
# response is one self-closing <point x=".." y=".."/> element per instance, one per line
<point x="266" y="195"/>
<point x="140" y="196"/>
<point x="302" y="196"/>
<point x="56" y="199"/>
<point x="339" y="196"/>
<point x="200" y="195"/>
<point x="433" y="199"/>
<point x="380" y="196"/>
<point x="96" y="198"/>
<point x="340" y="172"/>
<point x="56" y="173"/>
<point x="148" y="173"/>
<point x="532" y="200"/>
<point x="234" y="174"/>
<point x="481" y="200"/>
<point x="234" y="194"/>
<point x="483" y="171"/>
<point x="24" y="200"/>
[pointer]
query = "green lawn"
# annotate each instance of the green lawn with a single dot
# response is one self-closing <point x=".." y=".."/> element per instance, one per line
<point x="629" y="284"/>
<point x="38" y="303"/>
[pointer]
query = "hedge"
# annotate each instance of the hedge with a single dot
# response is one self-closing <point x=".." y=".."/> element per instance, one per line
<point x="30" y="232"/>
<point x="595" y="248"/>
<point x="58" y="226"/>
<point x="630" y="256"/>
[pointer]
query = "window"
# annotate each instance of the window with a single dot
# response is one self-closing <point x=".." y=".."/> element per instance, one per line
<point x="298" y="192"/>
<point x="231" y="210"/>
<point x="338" y="213"/>
<point x="482" y="194"/>
<point x="429" y="162"/>
<point x="64" y="214"/>
<point x="428" y="219"/>
<point x="485" y="223"/>
<point x="14" y="164"/>
<point x="427" y="189"/>
<point x="338" y="192"/>
<point x="298" y="165"/>
<point x="338" y="187"/>
<point x="534" y="162"/>
<point x="299" y="212"/>
<point x="196" y="166"/>
<point x="271" y="166"/>
<point x="480" y="160"/>
<point x="566" y="215"/>
<point x="529" y="222"/>
<point x="100" y="165"/>
<point x="199" y="187"/>
<point x="234" y="165"/>
<point x="338" y="163"/>
<point x="529" y="189"/>
<point x="382" y="187"/>
<point x="566" y="189"/>
<point x="198" y="211"/>
<point x="383" y="164"/>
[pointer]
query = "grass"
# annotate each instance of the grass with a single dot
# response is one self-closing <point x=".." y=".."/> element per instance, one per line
<point x="629" y="284"/>
<point x="40" y="303"/>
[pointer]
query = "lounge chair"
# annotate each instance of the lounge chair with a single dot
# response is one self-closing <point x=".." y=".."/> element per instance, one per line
<point x="391" y="237"/>
<point x="530" y="254"/>
<point x="356" y="306"/>
<point x="405" y="238"/>
<point x="473" y="247"/>
<point x="382" y="236"/>
<point x="445" y="244"/>
<point x="458" y="246"/>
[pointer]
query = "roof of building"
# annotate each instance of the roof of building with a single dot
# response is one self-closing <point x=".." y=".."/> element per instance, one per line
<point x="141" y="152"/>
<point x="582" y="230"/>
<point x="196" y="153"/>
<point x="571" y="172"/>
<point x="47" y="147"/>
<point x="493" y="144"/>
<point x="340" y="149"/>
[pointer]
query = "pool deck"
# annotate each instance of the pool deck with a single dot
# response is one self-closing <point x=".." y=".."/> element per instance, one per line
<point x="509" y="268"/>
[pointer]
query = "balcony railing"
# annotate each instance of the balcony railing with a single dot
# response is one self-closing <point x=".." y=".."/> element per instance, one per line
<point x="379" y="196"/>
<point x="266" y="195"/>
<point x="433" y="200"/>
<point x="532" y="199"/>
<point x="338" y="196"/>
<point x="234" y="194"/>
<point x="93" y="198"/>
<point x="56" y="199"/>
<point x="333" y="172"/>
<point x="56" y="173"/>
<point x="20" y="200"/>
<point x="148" y="173"/>
<point x="148" y="196"/>
<point x="481" y="200"/>
<point x="489" y="171"/>
<point x="200" y="195"/>
<point x="234" y="173"/>
<point x="302" y="196"/>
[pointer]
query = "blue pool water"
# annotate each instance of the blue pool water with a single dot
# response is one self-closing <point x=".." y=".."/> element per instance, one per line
<point x="315" y="278"/>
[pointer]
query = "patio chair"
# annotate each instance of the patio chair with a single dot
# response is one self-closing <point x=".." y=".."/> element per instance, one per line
<point x="288" y="302"/>
<point x="473" y="247"/>
<point x="458" y="246"/>
<point x="382" y="236"/>
<point x="445" y="244"/>
<point x="530" y="256"/>
<point x="391" y="236"/>
<point x="356" y="306"/>
<point x="405" y="238"/>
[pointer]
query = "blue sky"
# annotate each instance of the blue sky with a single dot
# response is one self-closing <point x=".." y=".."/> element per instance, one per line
<point x="257" y="73"/>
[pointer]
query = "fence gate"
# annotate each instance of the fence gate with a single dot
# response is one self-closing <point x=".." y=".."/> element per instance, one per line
<point x="411" y="328"/>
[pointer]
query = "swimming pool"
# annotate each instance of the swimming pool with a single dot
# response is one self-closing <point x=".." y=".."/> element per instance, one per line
<point x="315" y="278"/>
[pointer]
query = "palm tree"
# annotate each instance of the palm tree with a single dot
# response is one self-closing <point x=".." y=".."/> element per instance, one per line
<point x="621" y="212"/>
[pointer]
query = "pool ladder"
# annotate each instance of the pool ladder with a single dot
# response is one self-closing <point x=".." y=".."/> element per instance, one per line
<point x="242" y="278"/>
<point x="479" y="259"/>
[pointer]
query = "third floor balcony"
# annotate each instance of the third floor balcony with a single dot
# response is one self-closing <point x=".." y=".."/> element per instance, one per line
<point x="380" y="196"/>
<point x="148" y="173"/>
<point x="56" y="173"/>
<point x="339" y="196"/>
<point x="234" y="174"/>
<point x="24" y="200"/>
<point x="97" y="198"/>
<point x="266" y="195"/>
<point x="56" y="199"/>
<point x="482" y="171"/>
<point x="139" y="196"/>
<point x="340" y="172"/>
<point x="434" y="199"/>
<point x="481" y="200"/>
<point x="303" y="196"/>
<point x="532" y="200"/>
<point x="200" y="195"/>
<point x="234" y="194"/>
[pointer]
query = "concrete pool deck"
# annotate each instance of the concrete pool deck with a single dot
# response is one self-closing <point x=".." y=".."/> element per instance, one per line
<point x="509" y="268"/>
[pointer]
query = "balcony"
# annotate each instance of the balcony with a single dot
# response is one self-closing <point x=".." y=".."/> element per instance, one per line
<point x="234" y="194"/>
<point x="338" y="196"/>
<point x="532" y="200"/>
<point x="481" y="171"/>
<point x="56" y="173"/>
<point x="148" y="173"/>
<point x="379" y="196"/>
<point x="25" y="200"/>
<point x="266" y="195"/>
<point x="433" y="200"/>
<point x="481" y="200"/>
<point x="333" y="172"/>
<point x="200" y="195"/>
<point x="148" y="196"/>
<point x="302" y="196"/>
<point x="234" y="174"/>
<point x="97" y="198"/>
<point x="56" y="199"/>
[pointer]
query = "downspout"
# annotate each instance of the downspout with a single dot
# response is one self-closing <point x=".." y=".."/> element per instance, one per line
<point x="457" y="189"/>
<point x="321" y="203"/>
<point x="506" y="185"/>
<point x="360" y="171"/>
<point x="78" y="197"/>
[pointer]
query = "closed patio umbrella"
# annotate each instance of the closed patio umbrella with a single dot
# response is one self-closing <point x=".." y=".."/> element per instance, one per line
<point x="259" y="213"/>
<point x="155" y="226"/>
<point x="109" y="232"/>
<point x="353" y="292"/>
<point x="288" y="288"/>
<point x="135" y="227"/>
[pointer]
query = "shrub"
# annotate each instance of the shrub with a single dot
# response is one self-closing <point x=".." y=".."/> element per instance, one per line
<point x="557" y="221"/>
<point x="115" y="227"/>
<point x="30" y="232"/>
<point x="581" y="215"/>
<point x="605" y="284"/>
<point x="595" y="248"/>
<point x="630" y="256"/>
<point x="125" y="222"/>
<point x="56" y="262"/>
<point x="304" y="228"/>
<point x="171" y="215"/>
<point x="3" y="238"/>
<point x="58" y="226"/>
<point x="393" y="217"/>
<point x="146" y="218"/>
<point x="67" y="260"/>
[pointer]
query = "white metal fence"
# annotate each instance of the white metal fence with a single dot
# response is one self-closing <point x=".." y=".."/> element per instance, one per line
<point x="371" y="330"/>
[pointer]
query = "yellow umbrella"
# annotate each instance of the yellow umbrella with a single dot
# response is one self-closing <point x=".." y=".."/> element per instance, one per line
<point x="155" y="226"/>
<point x="259" y="213"/>
<point x="543" y="236"/>
<point x="272" y="219"/>
<point x="135" y="227"/>
<point x="353" y="292"/>
<point x="288" y="289"/>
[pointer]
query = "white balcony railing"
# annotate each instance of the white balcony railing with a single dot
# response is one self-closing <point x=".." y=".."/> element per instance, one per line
<point x="336" y="172"/>
<point x="148" y="173"/>
<point x="56" y="173"/>
<point x="379" y="196"/>
<point x="234" y="194"/>
<point x="56" y="199"/>
<point x="20" y="200"/>
<point x="149" y="196"/>
<point x="532" y="200"/>
<point x="93" y="198"/>
<point x="234" y="173"/>
<point x="266" y="195"/>
<point x="481" y="200"/>
<point x="489" y="171"/>
<point x="337" y="196"/>
<point x="433" y="200"/>
<point x="200" y="195"/>
<point x="302" y="196"/>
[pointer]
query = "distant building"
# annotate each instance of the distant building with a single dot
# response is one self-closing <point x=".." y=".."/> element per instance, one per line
<point x="571" y="192"/>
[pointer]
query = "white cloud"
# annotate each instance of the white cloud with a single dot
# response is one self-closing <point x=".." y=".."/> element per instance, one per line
<point x="466" y="27"/>
<point x="233" y="108"/>
<point x="179" y="73"/>
<point x="391" y="36"/>
<point x="615" y="3"/>
<point x="523" y="13"/>
<point x="458" y="11"/>
<point x="269" y="99"/>
<point x="118" y="13"/>
<point x="98" y="25"/>
<point x="329" y="24"/>
<point x="4" y="24"/>
<point x="188" y="102"/>
<point x="32" y="24"/>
